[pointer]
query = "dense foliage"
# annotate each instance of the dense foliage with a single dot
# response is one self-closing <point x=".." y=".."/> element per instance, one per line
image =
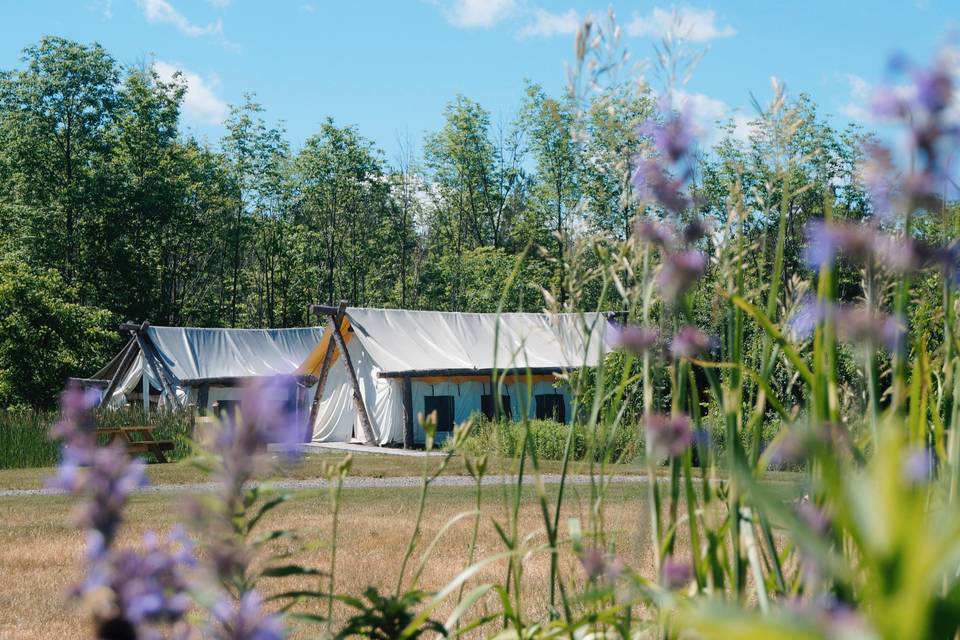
<point x="142" y="221"/>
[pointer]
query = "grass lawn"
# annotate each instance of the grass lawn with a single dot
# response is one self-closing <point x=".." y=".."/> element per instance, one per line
<point x="40" y="552"/>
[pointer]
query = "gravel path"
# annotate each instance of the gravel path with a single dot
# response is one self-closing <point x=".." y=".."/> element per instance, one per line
<point x="350" y="483"/>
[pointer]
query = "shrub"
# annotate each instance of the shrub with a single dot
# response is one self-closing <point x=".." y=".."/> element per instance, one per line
<point x="25" y="433"/>
<point x="504" y="438"/>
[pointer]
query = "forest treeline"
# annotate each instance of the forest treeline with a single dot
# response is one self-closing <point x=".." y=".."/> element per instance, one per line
<point x="111" y="211"/>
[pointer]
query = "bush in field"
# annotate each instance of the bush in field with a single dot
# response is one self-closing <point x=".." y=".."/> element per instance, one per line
<point x="25" y="439"/>
<point x="25" y="433"/>
<point x="504" y="438"/>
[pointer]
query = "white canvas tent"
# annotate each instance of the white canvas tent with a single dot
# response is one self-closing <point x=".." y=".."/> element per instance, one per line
<point x="183" y="366"/>
<point x="411" y="362"/>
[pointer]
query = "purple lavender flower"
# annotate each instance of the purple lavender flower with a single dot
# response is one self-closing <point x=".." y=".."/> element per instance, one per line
<point x="689" y="342"/>
<point x="860" y="325"/>
<point x="933" y="88"/>
<point x="788" y="450"/>
<point x="924" y="109"/>
<point x="149" y="587"/>
<point x="635" y="338"/>
<point x="675" y="573"/>
<point x="679" y="272"/>
<point x="267" y="415"/>
<point x="918" y="466"/>
<point x="695" y="230"/>
<point x="806" y="317"/>
<point x="877" y="175"/>
<point x="654" y="232"/>
<point x="245" y="620"/>
<point x="668" y="435"/>
<point x="269" y="405"/>
<point x="826" y="241"/>
<point x="103" y="476"/>
<point x="674" y="137"/>
<point x="654" y="183"/>
<point x="597" y="564"/>
<point x="813" y="516"/>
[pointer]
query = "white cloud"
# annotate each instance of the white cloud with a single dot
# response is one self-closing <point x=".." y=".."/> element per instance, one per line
<point x="711" y="116"/>
<point x="103" y="7"/>
<point x="546" y="24"/>
<point x="308" y="7"/>
<point x="220" y="4"/>
<point x="163" y="11"/>
<point x="477" y="13"/>
<point x="860" y="91"/>
<point x="695" y="25"/>
<point x="200" y="103"/>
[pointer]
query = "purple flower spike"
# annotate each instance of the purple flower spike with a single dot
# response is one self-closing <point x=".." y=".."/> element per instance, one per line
<point x="918" y="466"/>
<point x="653" y="183"/>
<point x="826" y="241"/>
<point x="860" y="325"/>
<point x="633" y="338"/>
<point x="689" y="343"/>
<point x="668" y="435"/>
<point x="597" y="564"/>
<point x="676" y="574"/>
<point x="933" y="88"/>
<point x="246" y="620"/>
<point x="674" y="137"/>
<point x="654" y="232"/>
<point x="269" y="406"/>
<point x="679" y="272"/>
<point x="805" y="319"/>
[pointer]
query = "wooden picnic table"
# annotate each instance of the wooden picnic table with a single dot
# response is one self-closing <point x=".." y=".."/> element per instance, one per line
<point x="138" y="439"/>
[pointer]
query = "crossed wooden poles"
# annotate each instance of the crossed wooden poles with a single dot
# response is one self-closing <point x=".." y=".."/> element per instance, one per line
<point x="334" y="318"/>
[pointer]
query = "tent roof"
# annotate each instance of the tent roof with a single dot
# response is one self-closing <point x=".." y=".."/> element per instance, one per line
<point x="409" y="342"/>
<point x="192" y="354"/>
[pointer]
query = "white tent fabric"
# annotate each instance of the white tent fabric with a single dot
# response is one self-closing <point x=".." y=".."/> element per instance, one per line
<point x="337" y="417"/>
<point x="408" y="341"/>
<point x="193" y="354"/>
<point x="401" y="341"/>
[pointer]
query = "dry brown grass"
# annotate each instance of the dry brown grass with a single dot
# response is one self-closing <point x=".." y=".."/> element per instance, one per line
<point x="40" y="553"/>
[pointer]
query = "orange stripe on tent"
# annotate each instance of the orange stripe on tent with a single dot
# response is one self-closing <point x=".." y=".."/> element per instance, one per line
<point x="311" y="366"/>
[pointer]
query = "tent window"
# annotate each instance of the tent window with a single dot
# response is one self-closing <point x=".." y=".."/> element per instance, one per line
<point x="443" y="405"/>
<point x="488" y="408"/>
<point x="550" y="406"/>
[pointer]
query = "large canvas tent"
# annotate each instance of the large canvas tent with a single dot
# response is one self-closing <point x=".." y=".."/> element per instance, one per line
<point x="402" y="363"/>
<point x="183" y="366"/>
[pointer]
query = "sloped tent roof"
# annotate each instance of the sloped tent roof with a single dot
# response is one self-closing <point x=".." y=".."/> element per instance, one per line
<point x="194" y="355"/>
<point x="406" y="342"/>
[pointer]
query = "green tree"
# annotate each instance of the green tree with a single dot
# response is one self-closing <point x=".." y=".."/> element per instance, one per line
<point x="44" y="337"/>
<point x="53" y="117"/>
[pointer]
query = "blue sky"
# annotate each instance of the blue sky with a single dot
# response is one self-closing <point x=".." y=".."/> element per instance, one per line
<point x="390" y="67"/>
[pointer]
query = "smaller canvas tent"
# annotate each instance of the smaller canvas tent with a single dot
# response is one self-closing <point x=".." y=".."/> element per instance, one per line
<point x="181" y="366"/>
<point x="402" y="363"/>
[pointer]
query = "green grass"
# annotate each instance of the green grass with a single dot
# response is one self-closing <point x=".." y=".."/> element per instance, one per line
<point x="25" y="434"/>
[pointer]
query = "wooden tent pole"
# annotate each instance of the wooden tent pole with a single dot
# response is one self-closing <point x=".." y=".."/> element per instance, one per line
<point x="324" y="370"/>
<point x="129" y="352"/>
<point x="150" y="356"/>
<point x="357" y="396"/>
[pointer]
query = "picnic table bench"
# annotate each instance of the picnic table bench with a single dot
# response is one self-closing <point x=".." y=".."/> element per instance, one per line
<point x="138" y="440"/>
